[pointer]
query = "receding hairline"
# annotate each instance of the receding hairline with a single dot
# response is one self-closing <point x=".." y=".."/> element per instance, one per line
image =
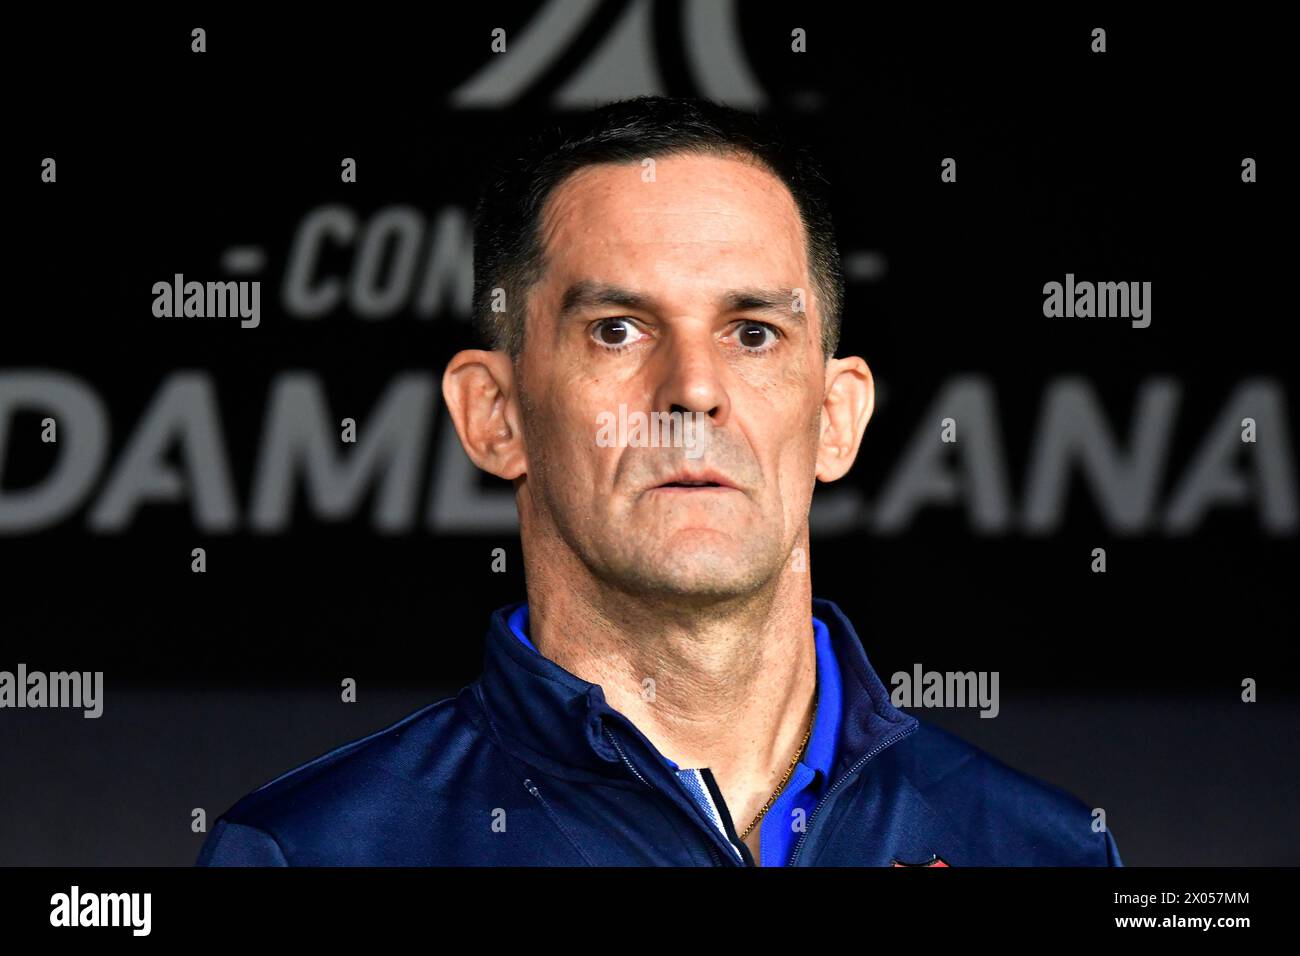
<point x="724" y="151"/>
<point x="728" y="151"/>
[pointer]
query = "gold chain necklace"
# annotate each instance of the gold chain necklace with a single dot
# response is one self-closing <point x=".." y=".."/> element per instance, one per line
<point x="789" y="770"/>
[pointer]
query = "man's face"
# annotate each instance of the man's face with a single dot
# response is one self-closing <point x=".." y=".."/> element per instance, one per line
<point x="685" y="251"/>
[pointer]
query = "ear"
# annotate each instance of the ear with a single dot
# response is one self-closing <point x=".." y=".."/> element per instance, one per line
<point x="846" y="409"/>
<point x="479" y="389"/>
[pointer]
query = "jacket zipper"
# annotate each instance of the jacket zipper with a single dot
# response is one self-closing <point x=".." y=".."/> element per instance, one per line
<point x="532" y="788"/>
<point x="713" y="852"/>
<point x="798" y="847"/>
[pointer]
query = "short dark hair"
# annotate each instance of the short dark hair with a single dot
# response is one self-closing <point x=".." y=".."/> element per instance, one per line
<point x="508" y="251"/>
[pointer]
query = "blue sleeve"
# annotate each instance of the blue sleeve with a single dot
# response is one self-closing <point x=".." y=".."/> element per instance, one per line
<point x="234" y="844"/>
<point x="1112" y="851"/>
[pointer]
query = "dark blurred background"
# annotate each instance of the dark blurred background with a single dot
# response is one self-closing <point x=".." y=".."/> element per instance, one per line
<point x="374" y="561"/>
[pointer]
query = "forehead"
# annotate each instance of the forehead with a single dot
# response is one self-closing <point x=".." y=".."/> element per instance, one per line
<point x="703" y="217"/>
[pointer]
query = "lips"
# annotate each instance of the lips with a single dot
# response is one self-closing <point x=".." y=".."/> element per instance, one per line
<point x="705" y="479"/>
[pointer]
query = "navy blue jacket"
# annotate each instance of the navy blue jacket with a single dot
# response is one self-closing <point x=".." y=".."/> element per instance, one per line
<point x="528" y="765"/>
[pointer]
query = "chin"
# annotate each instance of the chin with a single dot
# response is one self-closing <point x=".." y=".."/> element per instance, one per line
<point x="706" y="573"/>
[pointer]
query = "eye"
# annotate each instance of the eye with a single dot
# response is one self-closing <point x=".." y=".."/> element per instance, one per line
<point x="753" y="336"/>
<point x="614" y="334"/>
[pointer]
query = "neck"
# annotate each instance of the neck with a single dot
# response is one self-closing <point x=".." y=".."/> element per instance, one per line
<point x="727" y="685"/>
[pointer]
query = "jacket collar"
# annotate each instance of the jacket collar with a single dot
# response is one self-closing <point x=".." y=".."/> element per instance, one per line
<point x="559" y="721"/>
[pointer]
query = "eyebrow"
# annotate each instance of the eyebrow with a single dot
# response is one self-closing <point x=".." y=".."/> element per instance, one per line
<point x="776" y="301"/>
<point x="585" y="295"/>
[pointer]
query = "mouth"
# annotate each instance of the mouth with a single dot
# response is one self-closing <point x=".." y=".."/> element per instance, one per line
<point x="705" y="482"/>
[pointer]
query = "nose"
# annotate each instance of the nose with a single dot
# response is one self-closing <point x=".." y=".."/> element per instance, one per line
<point x="692" y="380"/>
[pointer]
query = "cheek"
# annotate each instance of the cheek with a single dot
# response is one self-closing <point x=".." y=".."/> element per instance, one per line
<point x="798" y="471"/>
<point x="576" y="462"/>
<point x="561" y="413"/>
<point x="782" y="388"/>
<point x="797" y="450"/>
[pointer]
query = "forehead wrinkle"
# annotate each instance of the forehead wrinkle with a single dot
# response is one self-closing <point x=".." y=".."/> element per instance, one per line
<point x="576" y="196"/>
<point x="759" y="184"/>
